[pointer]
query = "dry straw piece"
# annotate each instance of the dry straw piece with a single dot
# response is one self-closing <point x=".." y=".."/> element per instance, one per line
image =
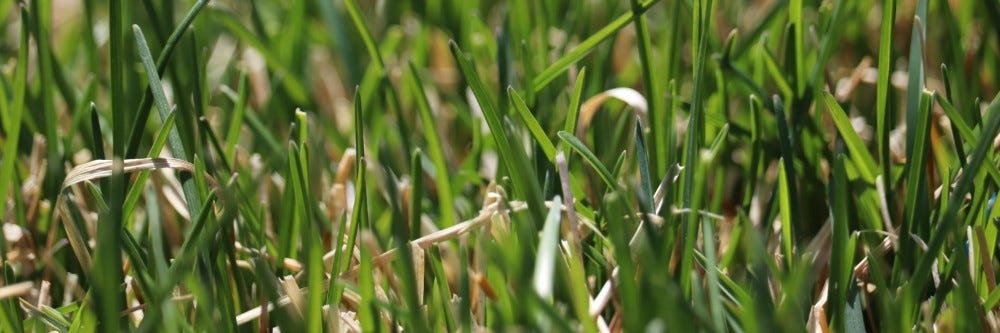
<point x="97" y="169"/>
<point x="628" y="95"/>
<point x="102" y="168"/>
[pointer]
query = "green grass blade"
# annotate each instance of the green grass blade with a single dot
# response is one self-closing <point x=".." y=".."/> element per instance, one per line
<point x="574" y="102"/>
<point x="366" y="35"/>
<point x="798" y="41"/>
<point x="945" y="226"/>
<point x="13" y="123"/>
<point x="511" y="155"/>
<point x="840" y="258"/>
<point x="785" y="204"/>
<point x="107" y="273"/>
<point x="235" y="124"/>
<point x="651" y="82"/>
<point x="529" y="120"/>
<point x="585" y="47"/>
<point x="645" y="181"/>
<point x="174" y="140"/>
<point x="916" y="210"/>
<point x="860" y="156"/>
<point x="590" y="158"/>
<point x="134" y="193"/>
<point x="41" y="26"/>
<point x="545" y="260"/>
<point x="434" y="148"/>
<point x="702" y="13"/>
<point x="142" y="114"/>
<point x="884" y="122"/>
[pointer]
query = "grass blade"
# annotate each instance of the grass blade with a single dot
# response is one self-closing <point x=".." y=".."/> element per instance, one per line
<point x="434" y="148"/>
<point x="860" y="156"/>
<point x="513" y="158"/>
<point x="585" y="47"/>
<point x="173" y="137"/>
<point x="591" y="159"/>
<point x="529" y="120"/>
<point x="142" y="114"/>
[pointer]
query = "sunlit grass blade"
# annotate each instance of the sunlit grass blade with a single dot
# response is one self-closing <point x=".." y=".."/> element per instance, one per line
<point x="702" y="13"/>
<point x="545" y="262"/>
<point x="883" y="113"/>
<point x="142" y="114"/>
<point x="860" y="156"/>
<point x="236" y="122"/>
<point x="434" y="148"/>
<point x="585" y="47"/>
<point x="945" y="226"/>
<point x="529" y="121"/>
<point x="785" y="204"/>
<point x="916" y="211"/>
<point x="590" y="158"/>
<point x="574" y="101"/>
<point x="41" y="29"/>
<point x="511" y="155"/>
<point x="174" y="139"/>
<point x="107" y="271"/>
<point x="646" y="186"/>
<point x="13" y="123"/>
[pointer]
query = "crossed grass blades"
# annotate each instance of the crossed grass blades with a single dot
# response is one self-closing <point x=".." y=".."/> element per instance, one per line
<point x="597" y="166"/>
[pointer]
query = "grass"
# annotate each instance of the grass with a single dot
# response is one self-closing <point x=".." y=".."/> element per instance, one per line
<point x="763" y="166"/>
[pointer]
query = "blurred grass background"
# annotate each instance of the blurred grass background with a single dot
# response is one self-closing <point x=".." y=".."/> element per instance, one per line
<point x="441" y="165"/>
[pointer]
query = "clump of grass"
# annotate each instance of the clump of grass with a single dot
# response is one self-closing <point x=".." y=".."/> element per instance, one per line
<point x="514" y="165"/>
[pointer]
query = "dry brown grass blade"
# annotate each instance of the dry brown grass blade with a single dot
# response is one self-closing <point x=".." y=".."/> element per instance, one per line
<point x="589" y="108"/>
<point x="16" y="290"/>
<point x="97" y="169"/>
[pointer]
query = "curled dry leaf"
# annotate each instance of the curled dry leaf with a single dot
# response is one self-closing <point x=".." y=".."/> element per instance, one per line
<point x="628" y="95"/>
<point x="102" y="168"/>
<point x="97" y="169"/>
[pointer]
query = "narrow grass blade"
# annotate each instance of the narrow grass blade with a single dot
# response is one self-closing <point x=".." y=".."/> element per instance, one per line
<point x="840" y="258"/>
<point x="236" y="122"/>
<point x="860" y="156"/>
<point x="545" y="262"/>
<point x="785" y="142"/>
<point x="142" y="114"/>
<point x="798" y="41"/>
<point x="651" y="82"/>
<point x="591" y="159"/>
<point x="945" y="225"/>
<point x="529" y="120"/>
<point x="785" y="204"/>
<point x="511" y="155"/>
<point x="574" y="102"/>
<point x="646" y="184"/>
<point x="585" y="47"/>
<point x="107" y="270"/>
<point x="884" y="122"/>
<point x="366" y="35"/>
<point x="702" y="14"/>
<point x="13" y="123"/>
<point x="173" y="138"/>
<point x="916" y="209"/>
<point x="434" y="148"/>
